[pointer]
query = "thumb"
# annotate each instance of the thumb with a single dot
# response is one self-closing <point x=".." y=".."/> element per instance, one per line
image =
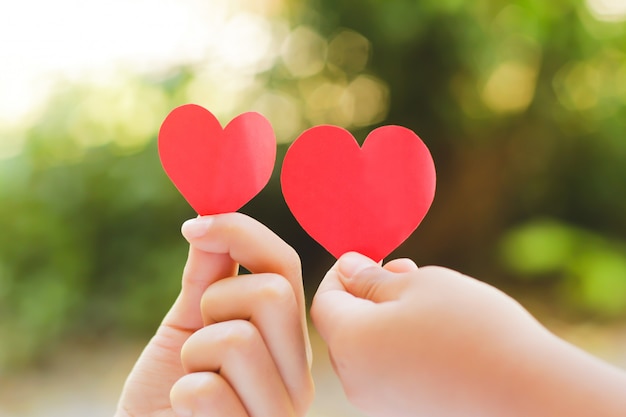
<point x="364" y="278"/>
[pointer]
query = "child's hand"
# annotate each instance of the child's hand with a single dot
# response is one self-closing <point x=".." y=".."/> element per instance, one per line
<point x="407" y="342"/>
<point x="231" y="345"/>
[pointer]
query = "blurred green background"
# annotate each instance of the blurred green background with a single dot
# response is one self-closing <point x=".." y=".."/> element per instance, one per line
<point x="522" y="104"/>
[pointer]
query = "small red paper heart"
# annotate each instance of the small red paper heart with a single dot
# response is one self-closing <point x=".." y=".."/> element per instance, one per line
<point x="368" y="199"/>
<point x="216" y="170"/>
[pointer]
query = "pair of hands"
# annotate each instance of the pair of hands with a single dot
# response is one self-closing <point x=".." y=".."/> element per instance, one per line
<point x="404" y="341"/>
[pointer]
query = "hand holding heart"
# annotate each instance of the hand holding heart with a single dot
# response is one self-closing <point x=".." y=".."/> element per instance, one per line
<point x="367" y="199"/>
<point x="403" y="340"/>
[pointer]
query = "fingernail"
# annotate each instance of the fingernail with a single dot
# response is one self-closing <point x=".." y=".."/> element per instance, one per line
<point x="351" y="263"/>
<point x="195" y="228"/>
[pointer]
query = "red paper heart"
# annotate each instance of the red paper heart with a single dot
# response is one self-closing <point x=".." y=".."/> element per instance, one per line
<point x="216" y="170"/>
<point x="368" y="199"/>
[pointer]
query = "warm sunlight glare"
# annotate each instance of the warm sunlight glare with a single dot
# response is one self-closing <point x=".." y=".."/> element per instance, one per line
<point x="608" y="10"/>
<point x="44" y="41"/>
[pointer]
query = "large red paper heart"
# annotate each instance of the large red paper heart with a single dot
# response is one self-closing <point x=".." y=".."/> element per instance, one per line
<point x="368" y="199"/>
<point x="216" y="170"/>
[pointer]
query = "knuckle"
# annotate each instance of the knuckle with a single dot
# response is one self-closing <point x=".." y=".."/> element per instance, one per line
<point x="292" y="260"/>
<point x="209" y="298"/>
<point x="208" y="384"/>
<point x="233" y="336"/>
<point x="274" y="288"/>
<point x="238" y="335"/>
<point x="204" y="384"/>
<point x="187" y="351"/>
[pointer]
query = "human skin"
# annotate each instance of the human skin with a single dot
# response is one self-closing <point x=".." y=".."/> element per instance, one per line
<point x="404" y="341"/>
<point x="231" y="345"/>
<point x="432" y="342"/>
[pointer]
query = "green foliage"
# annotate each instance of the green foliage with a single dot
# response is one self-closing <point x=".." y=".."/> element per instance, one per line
<point x="523" y="106"/>
<point x="89" y="240"/>
<point x="591" y="268"/>
<point x="542" y="247"/>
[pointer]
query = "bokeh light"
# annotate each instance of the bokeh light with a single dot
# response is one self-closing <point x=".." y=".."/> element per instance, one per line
<point x="608" y="10"/>
<point x="304" y="52"/>
<point x="523" y="106"/>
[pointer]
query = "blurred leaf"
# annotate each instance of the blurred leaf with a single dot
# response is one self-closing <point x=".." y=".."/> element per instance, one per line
<point x="601" y="278"/>
<point x="591" y="267"/>
<point x="539" y="248"/>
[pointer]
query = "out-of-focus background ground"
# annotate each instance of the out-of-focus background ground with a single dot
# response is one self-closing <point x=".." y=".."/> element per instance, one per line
<point x="86" y="380"/>
<point x="523" y="106"/>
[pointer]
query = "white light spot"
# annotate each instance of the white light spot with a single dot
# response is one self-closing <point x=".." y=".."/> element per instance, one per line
<point x="607" y="10"/>
<point x="45" y="41"/>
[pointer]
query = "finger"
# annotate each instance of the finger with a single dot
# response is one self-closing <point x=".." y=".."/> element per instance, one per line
<point x="236" y="351"/>
<point x="246" y="241"/>
<point x="201" y="270"/>
<point x="205" y="394"/>
<point x="251" y="244"/>
<point x="269" y="303"/>
<point x="334" y="308"/>
<point x="365" y="279"/>
<point x="350" y="289"/>
<point x="234" y="235"/>
<point x="218" y="243"/>
<point x="400" y="265"/>
<point x="158" y="366"/>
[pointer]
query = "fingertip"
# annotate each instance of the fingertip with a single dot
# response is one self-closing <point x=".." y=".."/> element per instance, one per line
<point x="333" y="304"/>
<point x="196" y="228"/>
<point x="351" y="263"/>
<point x="330" y="296"/>
<point x="183" y="392"/>
<point x="401" y="265"/>
<point x="367" y="280"/>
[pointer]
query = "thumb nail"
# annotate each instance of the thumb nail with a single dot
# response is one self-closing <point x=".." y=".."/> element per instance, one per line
<point x="352" y="263"/>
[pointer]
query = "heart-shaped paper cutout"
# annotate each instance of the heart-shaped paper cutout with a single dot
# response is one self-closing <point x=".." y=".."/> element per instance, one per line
<point x="348" y="198"/>
<point x="216" y="170"/>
